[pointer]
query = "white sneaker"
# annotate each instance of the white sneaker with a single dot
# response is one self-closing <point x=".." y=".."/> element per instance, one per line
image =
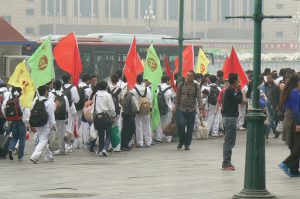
<point x="104" y="153"/>
<point x="241" y="129"/>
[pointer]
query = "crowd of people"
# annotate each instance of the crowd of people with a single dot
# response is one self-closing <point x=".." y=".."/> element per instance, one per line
<point x="119" y="118"/>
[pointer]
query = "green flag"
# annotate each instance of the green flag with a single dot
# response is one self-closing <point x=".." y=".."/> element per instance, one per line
<point x="153" y="73"/>
<point x="41" y="64"/>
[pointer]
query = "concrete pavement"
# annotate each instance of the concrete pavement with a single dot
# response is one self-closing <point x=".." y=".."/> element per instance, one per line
<point x="158" y="172"/>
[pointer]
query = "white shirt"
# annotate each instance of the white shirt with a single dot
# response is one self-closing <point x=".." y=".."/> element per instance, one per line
<point x="50" y="108"/>
<point x="168" y="94"/>
<point x="277" y="81"/>
<point x="142" y="89"/>
<point x="103" y="103"/>
<point x="121" y="84"/>
<point x="88" y="91"/>
<point x="112" y="87"/>
<point x="74" y="97"/>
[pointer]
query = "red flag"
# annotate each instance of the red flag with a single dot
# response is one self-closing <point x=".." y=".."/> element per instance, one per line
<point x="67" y="57"/>
<point x="169" y="73"/>
<point x="133" y="65"/>
<point x="233" y="65"/>
<point x="225" y="67"/>
<point x="187" y="60"/>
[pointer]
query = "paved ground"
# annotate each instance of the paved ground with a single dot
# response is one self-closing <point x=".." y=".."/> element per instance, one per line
<point x="157" y="172"/>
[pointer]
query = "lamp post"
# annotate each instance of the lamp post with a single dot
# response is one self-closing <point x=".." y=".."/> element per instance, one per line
<point x="255" y="170"/>
<point x="149" y="18"/>
<point x="296" y="24"/>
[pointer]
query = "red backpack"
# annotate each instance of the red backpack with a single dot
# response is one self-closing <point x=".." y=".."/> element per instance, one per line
<point x="13" y="110"/>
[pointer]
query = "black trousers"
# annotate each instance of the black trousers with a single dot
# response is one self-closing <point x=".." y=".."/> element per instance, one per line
<point x="2" y="122"/>
<point x="292" y="161"/>
<point x="128" y="130"/>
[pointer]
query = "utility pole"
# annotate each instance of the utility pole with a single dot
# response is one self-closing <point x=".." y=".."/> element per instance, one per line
<point x="255" y="170"/>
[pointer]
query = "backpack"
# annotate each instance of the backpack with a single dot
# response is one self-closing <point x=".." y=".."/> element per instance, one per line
<point x="39" y="116"/>
<point x="60" y="112"/>
<point x="115" y="96"/>
<point x="145" y="105"/>
<point x="162" y="104"/>
<point x="129" y="107"/>
<point x="68" y="94"/>
<point x="82" y="99"/>
<point x="213" y="95"/>
<point x="13" y="110"/>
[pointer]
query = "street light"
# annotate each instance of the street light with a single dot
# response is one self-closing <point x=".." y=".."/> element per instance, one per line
<point x="296" y="23"/>
<point x="149" y="18"/>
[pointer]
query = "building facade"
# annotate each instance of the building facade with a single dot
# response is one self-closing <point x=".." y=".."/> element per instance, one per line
<point x="204" y="19"/>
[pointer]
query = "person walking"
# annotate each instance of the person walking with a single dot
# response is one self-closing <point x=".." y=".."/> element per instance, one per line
<point x="289" y="102"/>
<point x="188" y="92"/>
<point x="45" y="130"/>
<point x="272" y="92"/>
<point x="231" y="99"/>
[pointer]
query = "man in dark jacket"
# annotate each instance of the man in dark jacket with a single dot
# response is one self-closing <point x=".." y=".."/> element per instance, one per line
<point x="272" y="92"/>
<point x="231" y="99"/>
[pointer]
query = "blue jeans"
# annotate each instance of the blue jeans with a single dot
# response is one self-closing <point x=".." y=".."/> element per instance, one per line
<point x="272" y="121"/>
<point x="185" y="126"/>
<point x="18" y="134"/>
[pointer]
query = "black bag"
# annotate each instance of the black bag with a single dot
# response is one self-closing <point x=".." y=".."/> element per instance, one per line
<point x="39" y="116"/>
<point x="115" y="96"/>
<point x="4" y="144"/>
<point x="60" y="112"/>
<point x="162" y="104"/>
<point x="67" y="92"/>
<point x="101" y="120"/>
<point x="213" y="95"/>
<point x="129" y="107"/>
<point x="82" y="99"/>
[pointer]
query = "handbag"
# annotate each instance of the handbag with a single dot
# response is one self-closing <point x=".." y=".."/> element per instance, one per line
<point x="53" y="141"/>
<point x="202" y="132"/>
<point x="93" y="133"/>
<point x="101" y="120"/>
<point x="170" y="129"/>
<point x="87" y="111"/>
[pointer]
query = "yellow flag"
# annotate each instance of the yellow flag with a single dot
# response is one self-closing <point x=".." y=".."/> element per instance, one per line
<point x="202" y="63"/>
<point x="21" y="78"/>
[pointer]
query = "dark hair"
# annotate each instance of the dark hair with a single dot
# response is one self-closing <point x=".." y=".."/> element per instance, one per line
<point x="267" y="70"/>
<point x="205" y="92"/>
<point x="114" y="79"/>
<point x="66" y="78"/>
<point x="232" y="78"/>
<point x="282" y="72"/>
<point x="93" y="76"/>
<point x="289" y="86"/>
<point x="57" y="84"/>
<point x="13" y="89"/>
<point x="198" y="76"/>
<point x="139" y="78"/>
<point x="42" y="90"/>
<point x="213" y="79"/>
<point x="203" y="81"/>
<point x="193" y="73"/>
<point x="220" y="74"/>
<point x="86" y="77"/>
<point x="165" y="79"/>
<point x="102" y="86"/>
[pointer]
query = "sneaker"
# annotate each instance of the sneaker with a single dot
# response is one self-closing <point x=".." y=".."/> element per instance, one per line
<point x="187" y="148"/>
<point x="59" y="152"/>
<point x="285" y="169"/>
<point x="267" y="141"/>
<point x="104" y="153"/>
<point x="277" y="134"/>
<point x="10" y="155"/>
<point x="179" y="146"/>
<point x="241" y="129"/>
<point x="228" y="168"/>
<point x="34" y="160"/>
<point x="110" y="150"/>
<point x="125" y="149"/>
